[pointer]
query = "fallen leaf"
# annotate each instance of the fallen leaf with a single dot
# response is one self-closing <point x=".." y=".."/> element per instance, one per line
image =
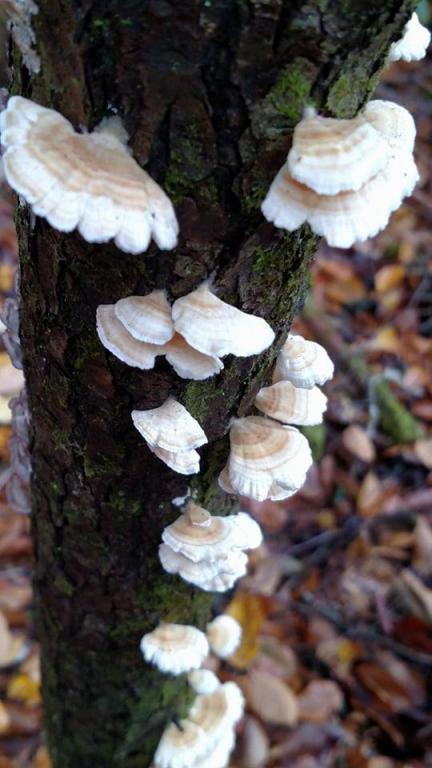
<point x="255" y="744"/>
<point x="358" y="443"/>
<point x="21" y="687"/>
<point x="4" y="719"/>
<point x="42" y="759"/>
<point x="388" y="277"/>
<point x="271" y="699"/>
<point x="250" y="611"/>
<point x="320" y="700"/>
<point x="423" y="450"/>
<point x="422" y="559"/>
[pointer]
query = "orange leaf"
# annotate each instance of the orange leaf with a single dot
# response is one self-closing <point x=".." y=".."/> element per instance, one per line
<point x="389" y="277"/>
<point x="250" y="611"/>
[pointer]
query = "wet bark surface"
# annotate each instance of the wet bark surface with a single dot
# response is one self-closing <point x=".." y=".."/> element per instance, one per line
<point x="209" y="93"/>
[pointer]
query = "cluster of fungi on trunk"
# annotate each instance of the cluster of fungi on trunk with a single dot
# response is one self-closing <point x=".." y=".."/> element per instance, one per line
<point x="211" y="120"/>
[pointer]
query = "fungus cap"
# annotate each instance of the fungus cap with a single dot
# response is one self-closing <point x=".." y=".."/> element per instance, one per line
<point x="83" y="181"/>
<point x="183" y="462"/>
<point x="224" y="635"/>
<point x="276" y="493"/>
<point x="169" y="427"/>
<point x="175" y="648"/>
<point x="215" y="712"/>
<point x="147" y="318"/>
<point x="180" y="745"/>
<point x="330" y="155"/>
<point x="264" y="452"/>
<point x="205" y="573"/>
<point x="203" y="681"/>
<point x="117" y="340"/>
<point x="292" y="405"/>
<point x="188" y="362"/>
<point x="213" y="538"/>
<point x="413" y="44"/>
<point x="347" y="217"/>
<point x="394" y="123"/>
<point x="303" y="363"/>
<point x="216" y="328"/>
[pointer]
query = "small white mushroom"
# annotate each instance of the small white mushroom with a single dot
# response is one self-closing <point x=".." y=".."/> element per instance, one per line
<point x="169" y="427"/>
<point x="216" y="328"/>
<point x="119" y="341"/>
<point x="264" y="452"/>
<point x="292" y="405"/>
<point x="175" y="648"/>
<point x="147" y="318"/>
<point x="224" y="635"/>
<point x="413" y="44"/>
<point x="303" y="363"/>
<point x="84" y="181"/>
<point x="203" y="681"/>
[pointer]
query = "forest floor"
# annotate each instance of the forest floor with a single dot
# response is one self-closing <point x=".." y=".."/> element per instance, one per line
<point x="336" y="660"/>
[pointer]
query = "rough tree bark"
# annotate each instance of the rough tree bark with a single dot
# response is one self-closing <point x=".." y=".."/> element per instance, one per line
<point x="209" y="92"/>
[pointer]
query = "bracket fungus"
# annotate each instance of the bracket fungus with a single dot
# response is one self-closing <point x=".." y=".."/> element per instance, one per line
<point x="205" y="738"/>
<point x="172" y="434"/>
<point x="146" y="318"/>
<point x="84" y="181"/>
<point x="292" y="405"/>
<point x="266" y="458"/>
<point x="207" y="550"/>
<point x="224" y="634"/>
<point x="304" y="363"/>
<point x="413" y="43"/>
<point x="345" y="177"/>
<point x="216" y="328"/>
<point x="175" y="648"/>
<point x="203" y="681"/>
<point x="137" y="329"/>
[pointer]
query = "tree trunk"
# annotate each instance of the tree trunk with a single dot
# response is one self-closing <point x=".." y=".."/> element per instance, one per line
<point x="209" y="93"/>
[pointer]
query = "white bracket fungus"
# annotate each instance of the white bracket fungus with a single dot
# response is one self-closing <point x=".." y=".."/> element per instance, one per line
<point x="345" y="177"/>
<point x="207" y="550"/>
<point x="303" y="363"/>
<point x="205" y="739"/>
<point x="137" y="329"/>
<point x="413" y="44"/>
<point x="224" y="635"/>
<point x="175" y="648"/>
<point x="266" y="458"/>
<point x="292" y="405"/>
<point x="216" y="328"/>
<point x="172" y="434"/>
<point x="83" y="181"/>
<point x="203" y="681"/>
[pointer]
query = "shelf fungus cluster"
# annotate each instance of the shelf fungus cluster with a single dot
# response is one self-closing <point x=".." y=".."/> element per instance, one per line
<point x="206" y="550"/>
<point x="345" y="177"/>
<point x="84" y="181"/>
<point x="172" y="434"/>
<point x="192" y="335"/>
<point x="269" y="458"/>
<point x="206" y="738"/>
<point x="413" y="43"/>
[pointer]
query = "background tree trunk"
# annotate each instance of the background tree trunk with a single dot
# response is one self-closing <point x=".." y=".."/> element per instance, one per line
<point x="209" y="92"/>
